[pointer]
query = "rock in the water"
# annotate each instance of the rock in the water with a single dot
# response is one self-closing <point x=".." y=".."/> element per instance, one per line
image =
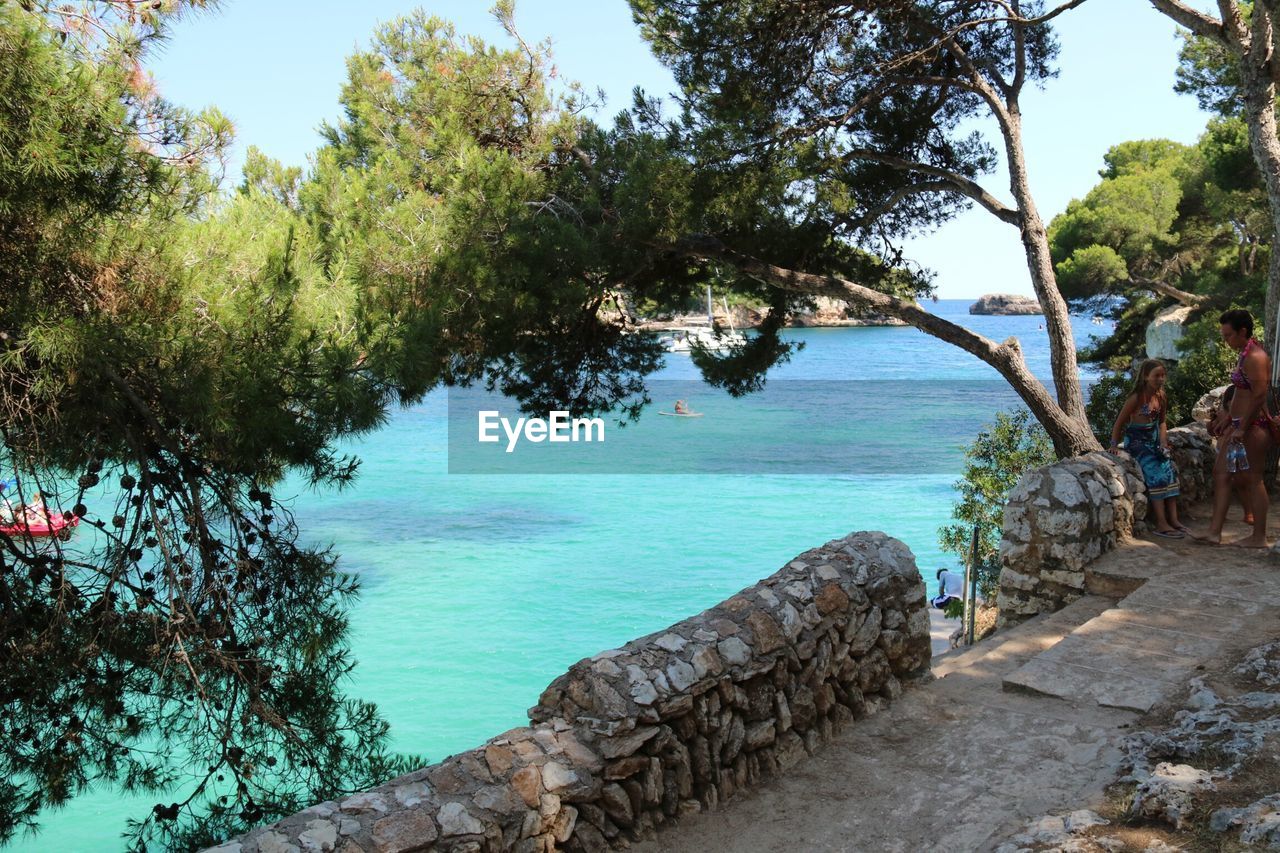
<point x="1005" y="304"/>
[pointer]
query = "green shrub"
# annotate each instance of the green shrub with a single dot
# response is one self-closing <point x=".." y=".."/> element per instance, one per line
<point x="994" y="463"/>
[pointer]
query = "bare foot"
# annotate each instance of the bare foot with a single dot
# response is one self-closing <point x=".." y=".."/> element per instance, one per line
<point x="1249" y="542"/>
<point x="1207" y="538"/>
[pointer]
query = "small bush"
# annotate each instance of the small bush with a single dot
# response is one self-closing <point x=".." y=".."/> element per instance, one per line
<point x="994" y="463"/>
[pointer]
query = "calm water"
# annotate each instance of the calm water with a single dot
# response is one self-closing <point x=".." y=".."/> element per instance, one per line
<point x="479" y="589"/>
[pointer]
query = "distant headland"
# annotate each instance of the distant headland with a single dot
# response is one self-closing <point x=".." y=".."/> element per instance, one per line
<point x="1005" y="304"/>
<point x="827" y="312"/>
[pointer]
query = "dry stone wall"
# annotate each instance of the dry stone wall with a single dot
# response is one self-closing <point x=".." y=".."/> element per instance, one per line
<point x="1062" y="517"/>
<point x="668" y="724"/>
<point x="1194" y="453"/>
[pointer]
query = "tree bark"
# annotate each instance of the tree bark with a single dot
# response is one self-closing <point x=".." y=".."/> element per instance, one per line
<point x="1035" y="241"/>
<point x="1070" y="434"/>
<point x="1259" y="88"/>
<point x="1182" y="297"/>
<point x="1001" y="98"/>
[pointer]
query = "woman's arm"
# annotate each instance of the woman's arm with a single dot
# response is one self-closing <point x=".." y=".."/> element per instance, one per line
<point x="1164" y="423"/>
<point x="1122" y="419"/>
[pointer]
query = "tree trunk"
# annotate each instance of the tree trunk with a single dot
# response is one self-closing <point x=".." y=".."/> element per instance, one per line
<point x="1259" y="91"/>
<point x="1260" y="113"/>
<point x="1071" y="435"/>
<point x="1035" y="241"/>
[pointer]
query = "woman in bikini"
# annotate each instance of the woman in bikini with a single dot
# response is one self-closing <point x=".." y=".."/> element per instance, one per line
<point x="1244" y="423"/>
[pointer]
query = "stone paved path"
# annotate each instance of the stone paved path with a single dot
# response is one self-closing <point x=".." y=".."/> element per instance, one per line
<point x="1023" y="724"/>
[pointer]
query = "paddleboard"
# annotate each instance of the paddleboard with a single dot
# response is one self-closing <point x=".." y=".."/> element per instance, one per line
<point x="682" y="414"/>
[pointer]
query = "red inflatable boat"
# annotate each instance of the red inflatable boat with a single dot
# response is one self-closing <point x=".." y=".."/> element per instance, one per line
<point x="57" y="524"/>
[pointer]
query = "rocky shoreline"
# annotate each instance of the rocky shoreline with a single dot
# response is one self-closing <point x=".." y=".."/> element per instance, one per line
<point x="829" y="313"/>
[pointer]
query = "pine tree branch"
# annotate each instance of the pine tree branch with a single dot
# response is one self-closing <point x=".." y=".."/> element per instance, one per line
<point x="1196" y="21"/>
<point x="874" y="213"/>
<point x="1192" y="300"/>
<point x="1070" y="437"/>
<point x="825" y="285"/>
<point x="957" y="182"/>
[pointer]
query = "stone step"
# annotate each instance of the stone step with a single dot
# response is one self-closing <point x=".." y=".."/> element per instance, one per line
<point x="1124" y="570"/>
<point x="1077" y="683"/>
<point x="1010" y="648"/>
<point x="1135" y="655"/>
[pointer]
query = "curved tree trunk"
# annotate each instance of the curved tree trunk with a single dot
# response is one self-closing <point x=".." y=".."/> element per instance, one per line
<point x="1070" y="434"/>
<point x="1035" y="241"/>
<point x="1182" y="297"/>
<point x="1260" y="115"/>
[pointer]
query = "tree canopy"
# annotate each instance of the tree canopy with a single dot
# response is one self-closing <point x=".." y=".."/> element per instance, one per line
<point x="1188" y="223"/>
<point x="1168" y="225"/>
<point x="1228" y="63"/>
<point x="161" y="366"/>
<point x="865" y="110"/>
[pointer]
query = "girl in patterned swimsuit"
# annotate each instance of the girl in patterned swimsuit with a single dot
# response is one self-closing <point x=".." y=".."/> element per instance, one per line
<point x="1146" y="437"/>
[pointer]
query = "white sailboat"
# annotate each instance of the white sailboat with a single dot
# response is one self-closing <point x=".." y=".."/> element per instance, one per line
<point x="685" y="338"/>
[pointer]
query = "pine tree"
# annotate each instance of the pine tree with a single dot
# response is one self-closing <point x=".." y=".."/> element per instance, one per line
<point x="180" y="642"/>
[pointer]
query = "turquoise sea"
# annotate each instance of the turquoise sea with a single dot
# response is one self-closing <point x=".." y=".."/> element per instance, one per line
<point x="479" y="589"/>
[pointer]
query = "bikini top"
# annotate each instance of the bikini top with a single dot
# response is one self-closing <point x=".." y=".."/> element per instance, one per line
<point x="1150" y="409"/>
<point x="1238" y="378"/>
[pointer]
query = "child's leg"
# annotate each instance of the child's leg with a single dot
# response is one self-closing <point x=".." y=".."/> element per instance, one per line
<point x="1244" y="502"/>
<point x="1171" y="513"/>
<point x="1162" y="523"/>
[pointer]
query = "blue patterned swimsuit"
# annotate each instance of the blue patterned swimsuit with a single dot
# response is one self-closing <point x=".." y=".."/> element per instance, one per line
<point x="1143" y="443"/>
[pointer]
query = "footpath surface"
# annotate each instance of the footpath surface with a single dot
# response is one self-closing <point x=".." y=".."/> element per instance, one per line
<point x="1025" y="723"/>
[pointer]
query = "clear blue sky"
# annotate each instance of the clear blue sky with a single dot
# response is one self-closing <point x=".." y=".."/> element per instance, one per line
<point x="275" y="68"/>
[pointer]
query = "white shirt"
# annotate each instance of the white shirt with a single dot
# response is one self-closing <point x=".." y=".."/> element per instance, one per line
<point x="952" y="583"/>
